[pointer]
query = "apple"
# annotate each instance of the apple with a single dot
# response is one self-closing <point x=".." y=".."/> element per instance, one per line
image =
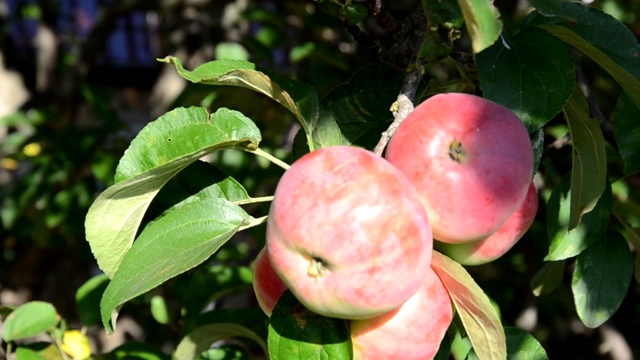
<point x="497" y="244"/>
<point x="348" y="234"/>
<point x="470" y="159"/>
<point x="414" y="331"/>
<point x="266" y="284"/>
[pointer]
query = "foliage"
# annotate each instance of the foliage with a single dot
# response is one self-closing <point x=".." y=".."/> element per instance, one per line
<point x="176" y="228"/>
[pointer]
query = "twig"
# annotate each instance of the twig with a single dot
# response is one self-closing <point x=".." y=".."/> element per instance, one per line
<point x="403" y="106"/>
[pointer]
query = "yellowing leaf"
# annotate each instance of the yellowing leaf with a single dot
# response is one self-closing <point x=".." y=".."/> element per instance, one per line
<point x="474" y="308"/>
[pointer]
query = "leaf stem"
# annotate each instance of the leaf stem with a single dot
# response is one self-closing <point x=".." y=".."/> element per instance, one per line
<point x="254" y="200"/>
<point x="269" y="157"/>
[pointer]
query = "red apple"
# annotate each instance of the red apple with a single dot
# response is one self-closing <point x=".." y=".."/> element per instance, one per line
<point x="266" y="284"/>
<point x="497" y="244"/>
<point x="414" y="331"/>
<point x="471" y="161"/>
<point x="348" y="234"/>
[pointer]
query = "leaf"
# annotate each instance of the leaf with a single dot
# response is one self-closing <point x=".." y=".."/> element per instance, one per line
<point x="204" y="336"/>
<point x="160" y="151"/>
<point x="297" y="333"/>
<point x="626" y="129"/>
<point x="88" y="299"/>
<point x="480" y="320"/>
<point x="601" y="279"/>
<point x="534" y="77"/>
<point x="184" y="237"/>
<point x="616" y="50"/>
<point x="548" y="278"/>
<point x="361" y="106"/>
<point x="520" y="346"/>
<point x="447" y="13"/>
<point x="299" y="98"/>
<point x="589" y="166"/>
<point x="482" y="22"/>
<point x="29" y="319"/>
<point x="565" y="243"/>
<point x="132" y="350"/>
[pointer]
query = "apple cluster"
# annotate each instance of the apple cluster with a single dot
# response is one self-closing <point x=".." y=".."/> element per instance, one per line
<point x="351" y="233"/>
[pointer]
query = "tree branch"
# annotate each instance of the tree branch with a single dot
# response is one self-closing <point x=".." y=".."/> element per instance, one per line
<point x="403" y="106"/>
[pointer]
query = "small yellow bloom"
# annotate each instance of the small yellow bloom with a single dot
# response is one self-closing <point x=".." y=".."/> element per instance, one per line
<point x="76" y="345"/>
<point x="32" y="149"/>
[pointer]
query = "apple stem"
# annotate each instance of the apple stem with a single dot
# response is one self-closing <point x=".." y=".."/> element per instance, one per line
<point x="316" y="267"/>
<point x="266" y="155"/>
<point x="254" y="200"/>
<point x="403" y="106"/>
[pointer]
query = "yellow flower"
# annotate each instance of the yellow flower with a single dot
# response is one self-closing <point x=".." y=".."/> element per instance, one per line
<point x="76" y="345"/>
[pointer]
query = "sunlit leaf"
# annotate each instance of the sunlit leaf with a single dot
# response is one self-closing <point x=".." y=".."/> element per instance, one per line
<point x="296" y="333"/>
<point x="30" y="319"/>
<point x="299" y="98"/>
<point x="159" y="152"/>
<point x="478" y="316"/>
<point x="184" y="237"/>
<point x="566" y="243"/>
<point x="601" y="279"/>
<point x="482" y="20"/>
<point x="589" y="167"/>
<point x="616" y="50"/>
<point x="534" y="76"/>
<point x="520" y="346"/>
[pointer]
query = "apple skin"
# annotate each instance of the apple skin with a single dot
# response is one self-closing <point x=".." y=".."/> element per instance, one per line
<point x="348" y="234"/>
<point x="268" y="287"/>
<point x="497" y="244"/>
<point x="414" y="331"/>
<point x="470" y="159"/>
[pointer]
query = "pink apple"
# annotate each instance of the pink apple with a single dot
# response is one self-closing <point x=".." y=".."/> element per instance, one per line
<point x="414" y="331"/>
<point x="497" y="244"/>
<point x="266" y="284"/>
<point x="469" y="158"/>
<point x="348" y="234"/>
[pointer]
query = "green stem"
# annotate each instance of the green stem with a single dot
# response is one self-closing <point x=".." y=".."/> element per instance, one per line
<point x="269" y="157"/>
<point x="254" y="200"/>
<point x="254" y="222"/>
<point x="59" y="346"/>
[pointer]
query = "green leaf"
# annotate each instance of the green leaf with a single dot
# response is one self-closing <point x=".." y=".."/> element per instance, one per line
<point x="566" y="243"/>
<point x="474" y="308"/>
<point x="520" y="346"/>
<point x="601" y="279"/>
<point x="616" y="50"/>
<point x="184" y="237"/>
<point x="160" y="309"/>
<point x="483" y="22"/>
<point x="211" y="284"/>
<point x="534" y="77"/>
<point x="30" y="319"/>
<point x="299" y="98"/>
<point x="447" y="13"/>
<point x="159" y="152"/>
<point x="196" y="177"/>
<point x="589" y="167"/>
<point x="626" y="129"/>
<point x="204" y="336"/>
<point x="361" y="106"/>
<point x="297" y="333"/>
<point x="132" y="350"/>
<point x="548" y="278"/>
<point x="88" y="299"/>
<point x="355" y="13"/>
<point x="252" y="318"/>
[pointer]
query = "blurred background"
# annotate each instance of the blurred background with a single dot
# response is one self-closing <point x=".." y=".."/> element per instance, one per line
<point x="79" y="79"/>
